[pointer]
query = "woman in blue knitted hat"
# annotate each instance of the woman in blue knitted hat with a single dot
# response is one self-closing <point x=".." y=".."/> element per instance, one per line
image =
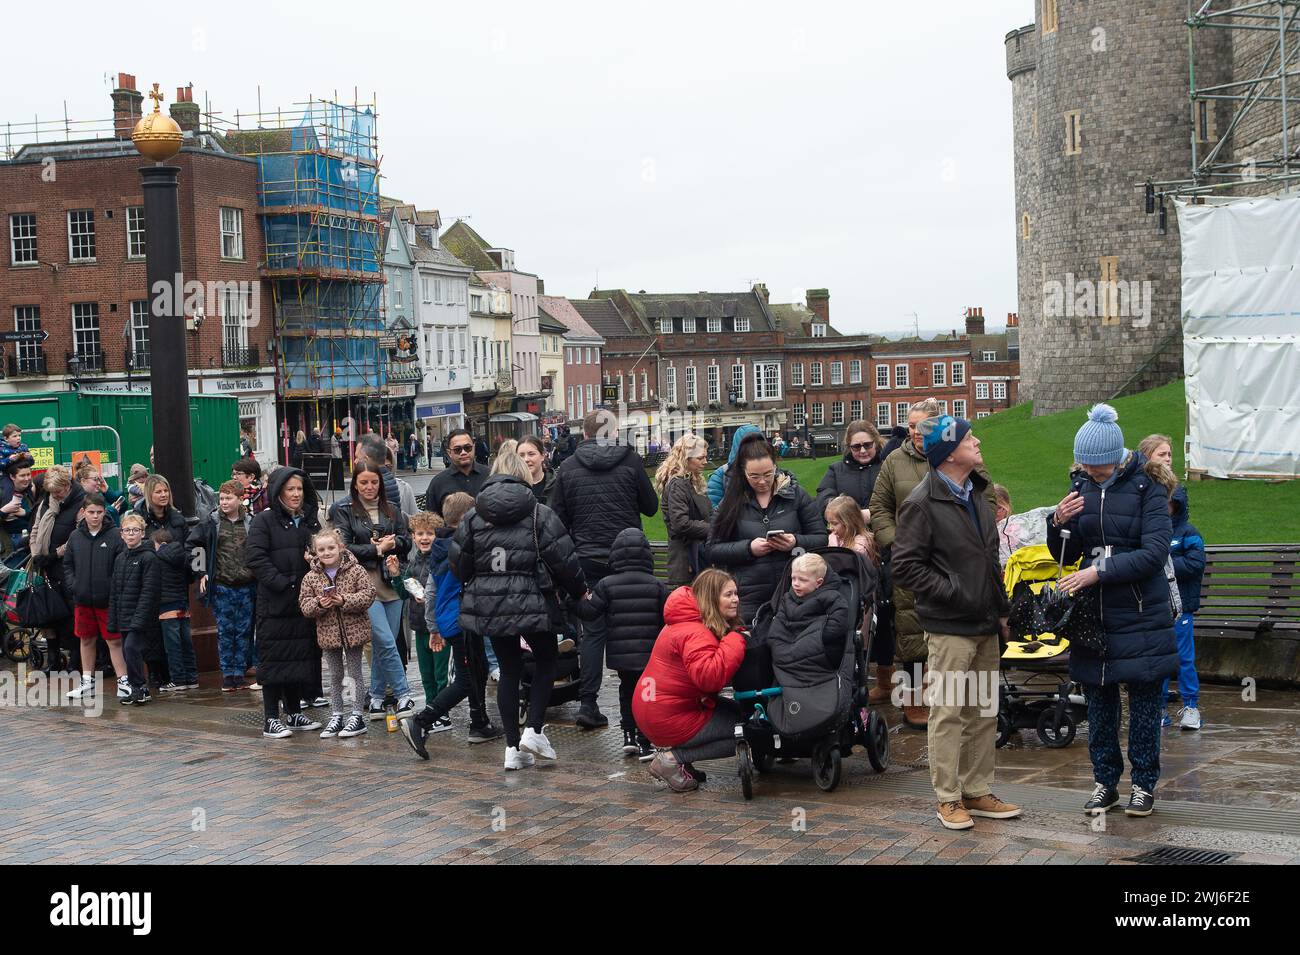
<point x="1117" y="516"/>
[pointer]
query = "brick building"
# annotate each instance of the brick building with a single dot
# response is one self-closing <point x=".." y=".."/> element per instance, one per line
<point x="628" y="368"/>
<point x="579" y="387"/>
<point x="74" y="260"/>
<point x="995" y="365"/>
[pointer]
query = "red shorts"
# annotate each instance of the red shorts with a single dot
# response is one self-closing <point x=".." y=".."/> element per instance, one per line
<point x="91" y="622"/>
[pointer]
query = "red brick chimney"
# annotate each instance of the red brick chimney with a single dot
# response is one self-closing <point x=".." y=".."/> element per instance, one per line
<point x="975" y="321"/>
<point x="1013" y="320"/>
<point x="126" y="106"/>
<point x="184" y="110"/>
<point x="819" y="303"/>
<point x="760" y="289"/>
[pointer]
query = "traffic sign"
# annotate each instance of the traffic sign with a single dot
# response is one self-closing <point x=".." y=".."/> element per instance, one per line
<point x="40" y="335"/>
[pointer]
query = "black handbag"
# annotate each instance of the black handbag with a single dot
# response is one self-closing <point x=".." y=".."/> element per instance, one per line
<point x="39" y="604"/>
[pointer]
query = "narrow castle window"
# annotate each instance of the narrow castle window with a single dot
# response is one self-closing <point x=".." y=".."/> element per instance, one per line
<point x="1073" y="132"/>
<point x="1049" y="16"/>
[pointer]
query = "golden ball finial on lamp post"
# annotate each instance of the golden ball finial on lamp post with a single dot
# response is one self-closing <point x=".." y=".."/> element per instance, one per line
<point x="157" y="136"/>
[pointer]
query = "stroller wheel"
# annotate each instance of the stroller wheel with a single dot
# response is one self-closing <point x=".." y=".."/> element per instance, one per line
<point x="745" y="769"/>
<point x="877" y="742"/>
<point x="827" y="767"/>
<point x="17" y="643"/>
<point x="1054" y="735"/>
<point x="1005" y="728"/>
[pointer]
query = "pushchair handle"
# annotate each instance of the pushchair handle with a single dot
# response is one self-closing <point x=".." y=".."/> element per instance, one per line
<point x="744" y="695"/>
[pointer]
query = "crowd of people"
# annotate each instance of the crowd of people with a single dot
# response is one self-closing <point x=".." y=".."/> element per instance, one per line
<point x="512" y="563"/>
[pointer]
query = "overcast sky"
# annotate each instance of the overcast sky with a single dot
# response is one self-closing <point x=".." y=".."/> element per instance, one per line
<point x="671" y="147"/>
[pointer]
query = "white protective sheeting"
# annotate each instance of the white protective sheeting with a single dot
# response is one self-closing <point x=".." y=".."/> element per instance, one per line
<point x="1241" y="336"/>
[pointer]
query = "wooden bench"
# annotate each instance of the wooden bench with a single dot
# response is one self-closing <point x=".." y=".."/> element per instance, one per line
<point x="659" y="550"/>
<point x="1250" y="591"/>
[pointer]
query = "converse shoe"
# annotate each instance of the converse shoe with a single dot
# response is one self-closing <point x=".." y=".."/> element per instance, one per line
<point x="274" y="729"/>
<point x="484" y="734"/>
<point x="172" y="687"/>
<point x="123" y="687"/>
<point x="354" y="726"/>
<point x="332" y="727"/>
<point x="537" y="743"/>
<point x="441" y="724"/>
<point x="518" y="760"/>
<point x="416" y="733"/>
<point x="664" y="766"/>
<point x="1140" y="802"/>
<point x="407" y="708"/>
<point x="645" y="750"/>
<point x="1103" y="799"/>
<point x="317" y="703"/>
<point x="297" y="721"/>
<point x="630" y="747"/>
<point x="86" y="689"/>
<point x="1191" y="718"/>
<point x="953" y="815"/>
<point x="376" y="710"/>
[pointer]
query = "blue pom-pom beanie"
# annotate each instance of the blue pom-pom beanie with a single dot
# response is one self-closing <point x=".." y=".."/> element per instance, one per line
<point x="940" y="437"/>
<point x="1100" y="440"/>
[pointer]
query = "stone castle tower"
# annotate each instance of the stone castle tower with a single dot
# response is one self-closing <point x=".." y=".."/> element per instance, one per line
<point x="1100" y="104"/>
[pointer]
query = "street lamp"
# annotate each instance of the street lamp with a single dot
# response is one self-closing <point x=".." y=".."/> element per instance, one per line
<point x="807" y="435"/>
<point x="74" y="369"/>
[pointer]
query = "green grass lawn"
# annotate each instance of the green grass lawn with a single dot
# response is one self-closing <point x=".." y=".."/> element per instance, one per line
<point x="1032" y="457"/>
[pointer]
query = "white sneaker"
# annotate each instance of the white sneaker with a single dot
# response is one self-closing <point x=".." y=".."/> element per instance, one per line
<point x="517" y="760"/>
<point x="123" y="687"/>
<point x="495" y="675"/>
<point x="87" y="688"/>
<point x="537" y="743"/>
<point x="1191" y="718"/>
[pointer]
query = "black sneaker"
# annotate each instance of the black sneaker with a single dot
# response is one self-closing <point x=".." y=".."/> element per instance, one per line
<point x="416" y="733"/>
<point x="274" y="729"/>
<point x="228" y="684"/>
<point x="1103" y="799"/>
<point x="645" y="749"/>
<point x="355" y="726"/>
<point x="441" y="724"/>
<point x="376" y="710"/>
<point x="590" y="718"/>
<point x="297" y="721"/>
<point x="143" y="696"/>
<point x="332" y="727"/>
<point x="407" y="708"/>
<point x="1140" y="802"/>
<point x="484" y="734"/>
<point x="630" y="747"/>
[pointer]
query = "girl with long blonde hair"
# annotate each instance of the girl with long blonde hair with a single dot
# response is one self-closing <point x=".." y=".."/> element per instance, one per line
<point x="686" y="506"/>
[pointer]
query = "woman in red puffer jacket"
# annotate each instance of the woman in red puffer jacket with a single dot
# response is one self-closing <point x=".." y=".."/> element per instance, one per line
<point x="676" y="703"/>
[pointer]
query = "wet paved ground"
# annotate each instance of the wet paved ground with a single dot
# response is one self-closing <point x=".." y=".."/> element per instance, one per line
<point x="191" y="780"/>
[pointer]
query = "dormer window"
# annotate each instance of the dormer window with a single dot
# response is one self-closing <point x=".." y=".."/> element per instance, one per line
<point x="818" y="330"/>
<point x="665" y="326"/>
<point x="688" y="326"/>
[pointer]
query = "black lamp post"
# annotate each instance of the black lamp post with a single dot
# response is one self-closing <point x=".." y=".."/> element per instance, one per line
<point x="807" y="435"/>
<point x="74" y="369"/>
<point x="157" y="137"/>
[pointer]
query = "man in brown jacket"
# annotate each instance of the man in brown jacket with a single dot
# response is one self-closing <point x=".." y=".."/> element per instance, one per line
<point x="946" y="554"/>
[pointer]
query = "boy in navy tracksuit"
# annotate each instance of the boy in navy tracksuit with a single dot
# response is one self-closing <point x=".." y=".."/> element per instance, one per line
<point x="442" y="614"/>
<point x="1187" y="550"/>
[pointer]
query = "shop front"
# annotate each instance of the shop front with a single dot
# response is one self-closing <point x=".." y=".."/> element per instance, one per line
<point x="511" y="424"/>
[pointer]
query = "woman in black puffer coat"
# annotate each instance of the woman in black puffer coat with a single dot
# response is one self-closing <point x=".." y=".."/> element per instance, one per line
<point x="288" y="658"/>
<point x="631" y="598"/>
<point x="854" y="475"/>
<point x="174" y="601"/>
<point x="1117" y="516"/>
<point x="496" y="555"/>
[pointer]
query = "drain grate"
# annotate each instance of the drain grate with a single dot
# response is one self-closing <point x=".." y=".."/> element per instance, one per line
<point x="1177" y="855"/>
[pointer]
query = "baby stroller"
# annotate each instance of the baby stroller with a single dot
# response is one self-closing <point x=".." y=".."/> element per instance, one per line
<point x="568" y="678"/>
<point x="1044" y="699"/>
<point x="821" y="723"/>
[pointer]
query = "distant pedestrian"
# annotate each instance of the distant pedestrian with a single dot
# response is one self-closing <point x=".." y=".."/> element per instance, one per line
<point x="686" y="507"/>
<point x="464" y="475"/>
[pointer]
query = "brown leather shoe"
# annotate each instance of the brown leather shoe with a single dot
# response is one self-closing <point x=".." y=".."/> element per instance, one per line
<point x="665" y="766"/>
<point x="884" y="688"/>
<point x="953" y="815"/>
<point x="990" y="807"/>
<point x="917" y="717"/>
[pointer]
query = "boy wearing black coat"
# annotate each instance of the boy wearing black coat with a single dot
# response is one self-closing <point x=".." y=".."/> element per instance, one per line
<point x="631" y="599"/>
<point x="133" y="601"/>
<point x="87" y="574"/>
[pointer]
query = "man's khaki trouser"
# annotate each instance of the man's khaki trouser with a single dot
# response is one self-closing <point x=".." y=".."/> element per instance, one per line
<point x="962" y="741"/>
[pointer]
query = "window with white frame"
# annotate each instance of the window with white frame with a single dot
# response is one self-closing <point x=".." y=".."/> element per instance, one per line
<point x="81" y="235"/>
<point x="900" y="413"/>
<point x="85" y="334"/>
<point x="665" y="326"/>
<point x="999" y="390"/>
<point x="692" y="396"/>
<point x="818" y="414"/>
<point x="688" y="326"/>
<point x="461" y="342"/>
<point x="426" y="288"/>
<point x="981" y="390"/>
<point x="901" y="376"/>
<point x="837" y="412"/>
<point x="135" y="232"/>
<point x="233" y="305"/>
<point x="645" y="386"/>
<point x="569" y="407"/>
<point x="140" y="334"/>
<point x="232" y="233"/>
<point x="882" y="377"/>
<point x="399" y="296"/>
<point x="837" y="373"/>
<point x="715" y="383"/>
<point x="27" y="318"/>
<point x="959" y="408"/>
<point x="714" y="325"/>
<point x="818" y="331"/>
<point x="740" y="323"/>
<point x="22" y="239"/>
<point x="590" y="398"/>
<point x="593" y="356"/>
<point x="816" y="377"/>
<point x="855" y="410"/>
<point x="855" y="372"/>
<point x="988" y="356"/>
<point x="670" y="384"/>
<point x="631" y="386"/>
<point x="943" y="407"/>
<point x="738" y="381"/>
<point x="796" y="374"/>
<point x="767" y="380"/>
<point x="882" y="414"/>
<point x="939" y="374"/>
<point x="798" y="415"/>
<point x="958" y="373"/>
<point x="981" y="414"/>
